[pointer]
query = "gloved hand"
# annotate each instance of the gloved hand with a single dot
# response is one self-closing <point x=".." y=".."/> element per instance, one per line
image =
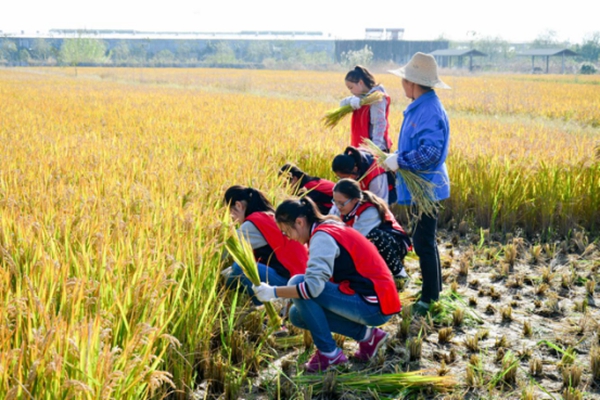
<point x="264" y="292"/>
<point x="355" y="102"/>
<point x="391" y="162"/>
<point x="226" y="272"/>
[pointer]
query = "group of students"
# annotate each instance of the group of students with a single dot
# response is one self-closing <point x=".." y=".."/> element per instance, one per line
<point x="335" y="249"/>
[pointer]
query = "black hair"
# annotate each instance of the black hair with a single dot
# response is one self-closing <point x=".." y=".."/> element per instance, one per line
<point x="289" y="210"/>
<point x="361" y="73"/>
<point x="346" y="162"/>
<point x="255" y="199"/>
<point x="351" y="189"/>
<point x="293" y="171"/>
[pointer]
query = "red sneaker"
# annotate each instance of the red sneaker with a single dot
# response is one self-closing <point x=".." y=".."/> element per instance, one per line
<point x="321" y="363"/>
<point x="369" y="348"/>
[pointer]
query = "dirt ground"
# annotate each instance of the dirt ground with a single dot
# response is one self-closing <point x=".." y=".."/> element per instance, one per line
<point x="516" y="320"/>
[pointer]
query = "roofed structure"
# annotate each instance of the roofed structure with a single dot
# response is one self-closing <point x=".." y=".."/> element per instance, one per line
<point x="548" y="53"/>
<point x="460" y="53"/>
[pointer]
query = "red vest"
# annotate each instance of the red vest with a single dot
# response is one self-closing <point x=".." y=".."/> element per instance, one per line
<point x="292" y="255"/>
<point x="361" y="120"/>
<point x="389" y="217"/>
<point x="364" y="271"/>
<point x="373" y="172"/>
<point x="322" y="186"/>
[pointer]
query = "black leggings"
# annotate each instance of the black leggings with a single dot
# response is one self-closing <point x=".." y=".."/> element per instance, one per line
<point x="425" y="245"/>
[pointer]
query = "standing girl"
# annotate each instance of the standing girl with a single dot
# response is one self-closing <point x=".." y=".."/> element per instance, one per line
<point x="346" y="288"/>
<point x="423" y="148"/>
<point x="318" y="189"/>
<point x="278" y="258"/>
<point x="361" y="166"/>
<point x="370" y="121"/>
<point x="369" y="215"/>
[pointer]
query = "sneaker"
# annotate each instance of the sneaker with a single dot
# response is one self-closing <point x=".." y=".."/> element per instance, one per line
<point x="402" y="274"/>
<point x="368" y="348"/>
<point x="321" y="363"/>
<point x="420" y="308"/>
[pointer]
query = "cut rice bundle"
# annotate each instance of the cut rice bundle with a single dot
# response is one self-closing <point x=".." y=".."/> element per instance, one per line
<point x="421" y="190"/>
<point x="242" y="253"/>
<point x="333" y="117"/>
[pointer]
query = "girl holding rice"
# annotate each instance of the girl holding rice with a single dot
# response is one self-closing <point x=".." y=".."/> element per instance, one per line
<point x="423" y="148"/>
<point x="278" y="258"/>
<point x="368" y="121"/>
<point x="347" y="287"/>
<point x="370" y="216"/>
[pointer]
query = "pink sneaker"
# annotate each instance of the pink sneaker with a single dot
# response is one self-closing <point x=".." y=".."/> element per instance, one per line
<point x="321" y="363"/>
<point x="369" y="348"/>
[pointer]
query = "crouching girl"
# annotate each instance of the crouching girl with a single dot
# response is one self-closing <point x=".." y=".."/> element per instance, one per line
<point x="347" y="288"/>
<point x="278" y="258"/>
<point x="369" y="215"/>
<point x="318" y="189"/>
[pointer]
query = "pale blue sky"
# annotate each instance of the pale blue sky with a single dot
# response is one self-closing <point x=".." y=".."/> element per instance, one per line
<point x="422" y="20"/>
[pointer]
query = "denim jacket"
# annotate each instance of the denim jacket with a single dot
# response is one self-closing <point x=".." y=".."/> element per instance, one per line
<point x="426" y="123"/>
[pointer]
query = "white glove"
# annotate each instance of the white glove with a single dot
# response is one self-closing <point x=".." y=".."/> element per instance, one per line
<point x="264" y="292"/>
<point x="391" y="162"/>
<point x="355" y="102"/>
<point x="226" y="272"/>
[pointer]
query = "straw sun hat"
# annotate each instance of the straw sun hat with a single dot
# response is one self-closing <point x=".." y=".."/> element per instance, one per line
<point x="422" y="70"/>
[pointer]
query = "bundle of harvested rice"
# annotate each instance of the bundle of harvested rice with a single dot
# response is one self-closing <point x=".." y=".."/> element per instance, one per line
<point x="393" y="383"/>
<point x="242" y="253"/>
<point x="333" y="117"/>
<point x="421" y="190"/>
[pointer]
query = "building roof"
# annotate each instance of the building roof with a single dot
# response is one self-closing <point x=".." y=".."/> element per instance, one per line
<point x="457" y="52"/>
<point x="548" y="52"/>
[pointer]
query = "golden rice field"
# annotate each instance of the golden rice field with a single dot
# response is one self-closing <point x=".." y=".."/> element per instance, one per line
<point x="110" y="202"/>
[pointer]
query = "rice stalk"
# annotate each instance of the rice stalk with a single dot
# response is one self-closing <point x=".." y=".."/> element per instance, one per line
<point x="385" y="383"/>
<point x="333" y="117"/>
<point x="421" y="190"/>
<point x="242" y="253"/>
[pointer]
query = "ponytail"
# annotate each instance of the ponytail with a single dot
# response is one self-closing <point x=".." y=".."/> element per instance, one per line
<point x="255" y="199"/>
<point x="289" y="210"/>
<point x="361" y="73"/>
<point x="378" y="202"/>
<point x="346" y="162"/>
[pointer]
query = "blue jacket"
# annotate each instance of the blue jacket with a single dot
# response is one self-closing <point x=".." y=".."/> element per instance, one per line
<point x="426" y="123"/>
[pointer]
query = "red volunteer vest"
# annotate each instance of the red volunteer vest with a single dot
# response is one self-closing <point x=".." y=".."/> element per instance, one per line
<point x="373" y="172"/>
<point x="389" y="217"/>
<point x="361" y="120"/>
<point x="366" y="272"/>
<point x="292" y="255"/>
<point x="322" y="186"/>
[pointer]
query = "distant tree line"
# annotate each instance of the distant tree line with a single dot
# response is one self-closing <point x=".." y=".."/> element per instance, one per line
<point x="501" y="55"/>
<point x="86" y="51"/>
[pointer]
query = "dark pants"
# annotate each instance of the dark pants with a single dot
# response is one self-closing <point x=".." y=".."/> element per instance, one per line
<point x="425" y="245"/>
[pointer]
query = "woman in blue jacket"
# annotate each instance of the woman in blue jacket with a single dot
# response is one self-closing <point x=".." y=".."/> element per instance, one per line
<point x="423" y="147"/>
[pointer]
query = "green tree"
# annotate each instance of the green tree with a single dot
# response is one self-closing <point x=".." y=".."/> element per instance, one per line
<point x="82" y="50"/>
<point x="8" y="50"/>
<point x="220" y="53"/>
<point x="351" y="58"/>
<point x="164" y="57"/>
<point x="590" y="48"/>
<point x="120" y="53"/>
<point x="257" y="51"/>
<point x="496" y="48"/>
<point x="184" y="52"/>
<point x="546" y="40"/>
<point x="41" y="49"/>
<point x="24" y="56"/>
